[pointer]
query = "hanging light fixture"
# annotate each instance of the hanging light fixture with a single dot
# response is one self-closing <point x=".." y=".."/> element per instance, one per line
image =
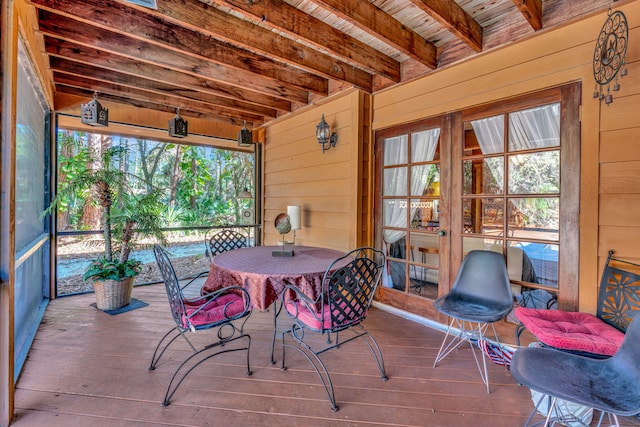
<point x="325" y="137"/>
<point x="178" y="126"/>
<point x="245" y="139"/>
<point x="93" y="114"/>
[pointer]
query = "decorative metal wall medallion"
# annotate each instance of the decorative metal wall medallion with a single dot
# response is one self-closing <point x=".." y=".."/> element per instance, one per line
<point x="608" y="56"/>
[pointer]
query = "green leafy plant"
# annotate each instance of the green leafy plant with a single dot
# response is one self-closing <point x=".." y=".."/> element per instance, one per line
<point x="125" y="213"/>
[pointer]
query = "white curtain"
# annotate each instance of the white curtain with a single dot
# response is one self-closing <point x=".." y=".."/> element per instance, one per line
<point x="535" y="128"/>
<point x="424" y="145"/>
<point x="528" y="129"/>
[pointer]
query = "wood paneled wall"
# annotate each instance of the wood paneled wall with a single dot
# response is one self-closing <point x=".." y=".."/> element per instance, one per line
<point x="329" y="186"/>
<point x="610" y="151"/>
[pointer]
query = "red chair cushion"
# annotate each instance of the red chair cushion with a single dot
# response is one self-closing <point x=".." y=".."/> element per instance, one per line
<point x="322" y="321"/>
<point x="312" y="319"/>
<point x="572" y="331"/>
<point x="220" y="309"/>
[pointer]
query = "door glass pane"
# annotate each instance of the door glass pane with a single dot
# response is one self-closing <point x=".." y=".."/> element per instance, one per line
<point x="395" y="182"/>
<point x="483" y="176"/>
<point x="535" y="173"/>
<point x="423" y="268"/>
<point x="537" y="127"/>
<point x="534" y="218"/>
<point x="540" y="262"/>
<point x="487" y="136"/>
<point x="425" y="180"/>
<point x="424" y="146"/>
<point x="395" y="150"/>
<point x="395" y="213"/>
<point x="483" y="244"/>
<point x="425" y="214"/>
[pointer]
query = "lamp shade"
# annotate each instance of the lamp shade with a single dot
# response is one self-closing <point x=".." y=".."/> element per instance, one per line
<point x="178" y="127"/>
<point x="245" y="138"/>
<point x="294" y="216"/>
<point x="93" y="114"/>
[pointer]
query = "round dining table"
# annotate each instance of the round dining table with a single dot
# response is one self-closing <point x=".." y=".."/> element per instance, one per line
<point x="263" y="273"/>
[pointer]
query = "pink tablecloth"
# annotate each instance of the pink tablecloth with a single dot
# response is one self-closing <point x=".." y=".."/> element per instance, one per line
<point x="264" y="275"/>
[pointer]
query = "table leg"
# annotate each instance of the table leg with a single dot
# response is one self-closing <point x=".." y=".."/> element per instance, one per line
<point x="276" y="312"/>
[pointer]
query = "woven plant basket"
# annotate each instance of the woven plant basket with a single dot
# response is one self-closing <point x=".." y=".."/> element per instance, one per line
<point x="113" y="294"/>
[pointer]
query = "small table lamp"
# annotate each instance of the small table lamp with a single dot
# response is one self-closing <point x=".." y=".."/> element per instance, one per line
<point x="294" y="217"/>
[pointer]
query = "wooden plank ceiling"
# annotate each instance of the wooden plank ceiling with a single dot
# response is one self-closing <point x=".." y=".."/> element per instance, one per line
<point x="255" y="60"/>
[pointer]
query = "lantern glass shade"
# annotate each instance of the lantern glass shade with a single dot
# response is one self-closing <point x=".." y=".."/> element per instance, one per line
<point x="178" y="127"/>
<point x="245" y="138"/>
<point x="93" y="114"/>
<point x="322" y="131"/>
<point x="325" y="137"/>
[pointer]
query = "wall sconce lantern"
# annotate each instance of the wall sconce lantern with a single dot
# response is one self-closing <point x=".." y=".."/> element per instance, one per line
<point x="325" y="137"/>
<point x="245" y="139"/>
<point x="178" y="126"/>
<point x="93" y="114"/>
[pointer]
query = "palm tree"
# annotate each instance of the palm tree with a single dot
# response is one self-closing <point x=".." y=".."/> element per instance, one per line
<point x="123" y="213"/>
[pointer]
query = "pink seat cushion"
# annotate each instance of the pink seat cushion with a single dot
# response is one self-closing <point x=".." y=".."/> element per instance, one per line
<point x="310" y="318"/>
<point x="222" y="308"/>
<point x="573" y="331"/>
<point x="319" y="321"/>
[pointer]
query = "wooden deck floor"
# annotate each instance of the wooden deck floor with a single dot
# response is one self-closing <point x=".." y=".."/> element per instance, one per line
<point x="87" y="368"/>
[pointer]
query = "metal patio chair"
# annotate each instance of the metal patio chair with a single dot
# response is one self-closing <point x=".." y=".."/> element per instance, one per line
<point x="215" y="310"/>
<point x="342" y="305"/>
<point x="480" y="296"/>
<point x="224" y="240"/>
<point x="591" y="335"/>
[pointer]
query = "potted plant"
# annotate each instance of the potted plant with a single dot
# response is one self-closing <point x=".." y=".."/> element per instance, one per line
<point x="125" y="214"/>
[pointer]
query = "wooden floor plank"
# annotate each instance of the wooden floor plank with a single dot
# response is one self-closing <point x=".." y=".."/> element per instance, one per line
<point x="87" y="368"/>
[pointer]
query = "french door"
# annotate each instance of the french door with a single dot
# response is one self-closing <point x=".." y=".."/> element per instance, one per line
<point x="501" y="177"/>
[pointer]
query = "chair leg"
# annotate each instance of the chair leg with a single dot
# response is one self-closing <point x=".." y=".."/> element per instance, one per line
<point x="377" y="355"/>
<point x="167" y="340"/>
<point x="314" y="360"/>
<point x="613" y="419"/>
<point x="473" y="333"/>
<point x="176" y="379"/>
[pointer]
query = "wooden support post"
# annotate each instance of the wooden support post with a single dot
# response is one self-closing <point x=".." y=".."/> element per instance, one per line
<point x="8" y="64"/>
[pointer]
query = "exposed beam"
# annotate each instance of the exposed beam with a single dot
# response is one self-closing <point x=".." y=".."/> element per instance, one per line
<point x="67" y="69"/>
<point x="211" y="21"/>
<point x="134" y="94"/>
<point x="163" y="59"/>
<point x="379" y="24"/>
<point x="126" y="100"/>
<point x="532" y="11"/>
<point x="99" y="58"/>
<point x="288" y="19"/>
<point x="455" y="19"/>
<point x="149" y="37"/>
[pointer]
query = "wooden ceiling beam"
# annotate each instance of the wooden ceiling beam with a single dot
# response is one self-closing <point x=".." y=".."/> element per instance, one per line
<point x="379" y="24"/>
<point x="126" y="66"/>
<point x="288" y="19"/>
<point x="138" y="99"/>
<point x="532" y="11"/>
<point x="450" y="15"/>
<point x="64" y="69"/>
<point x="170" y="45"/>
<point x="210" y="21"/>
<point x="242" y="85"/>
